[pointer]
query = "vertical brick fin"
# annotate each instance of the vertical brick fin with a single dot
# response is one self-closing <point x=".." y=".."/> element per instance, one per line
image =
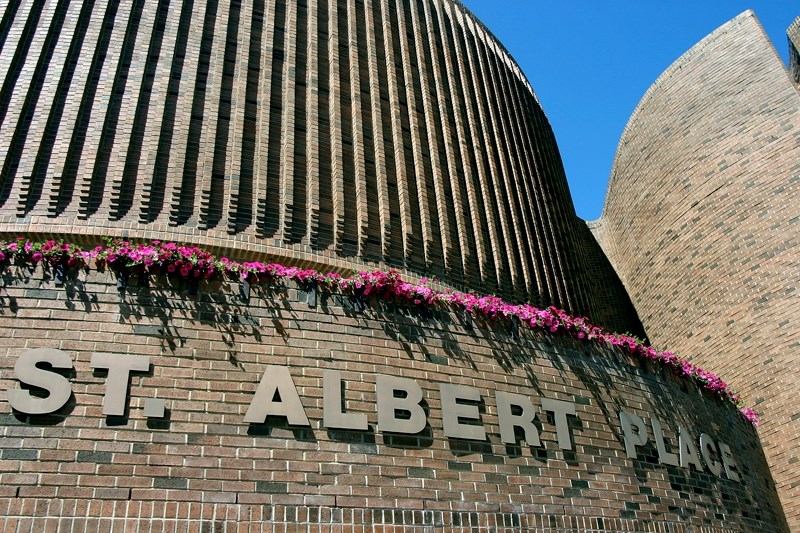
<point x="337" y="134"/>
<point x="481" y="222"/>
<point x="99" y="187"/>
<point x="532" y="202"/>
<point x="288" y="120"/>
<point x="262" y="125"/>
<point x="98" y="130"/>
<point x="379" y="110"/>
<point x="218" y="118"/>
<point x="123" y="166"/>
<point x="564" y="231"/>
<point x="503" y="246"/>
<point x="558" y="294"/>
<point x="349" y="221"/>
<point x="27" y="137"/>
<point x="543" y="207"/>
<point x="241" y="91"/>
<point x="505" y="183"/>
<point x="157" y="181"/>
<point x="372" y="142"/>
<point x="356" y="179"/>
<point x="18" y="86"/>
<point x="241" y="208"/>
<point x="441" y="245"/>
<point x="297" y="226"/>
<point x="14" y="56"/>
<point x="438" y="222"/>
<point x="185" y="142"/>
<point x="9" y="15"/>
<point x="403" y="235"/>
<point x="385" y="159"/>
<point x="207" y="122"/>
<point x="519" y="173"/>
<point x="447" y="144"/>
<point x="313" y="118"/>
<point x="269" y="207"/>
<point x="321" y="225"/>
<point x="42" y="139"/>
<point x="421" y="253"/>
<point x="76" y="118"/>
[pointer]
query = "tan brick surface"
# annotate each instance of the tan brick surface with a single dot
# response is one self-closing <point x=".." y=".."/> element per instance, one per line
<point x="702" y="220"/>
<point x="333" y="133"/>
<point x="204" y="467"/>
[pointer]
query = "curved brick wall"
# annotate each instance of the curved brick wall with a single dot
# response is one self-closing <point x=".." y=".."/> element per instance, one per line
<point x="202" y="466"/>
<point x="794" y="46"/>
<point x="702" y="219"/>
<point x="324" y="132"/>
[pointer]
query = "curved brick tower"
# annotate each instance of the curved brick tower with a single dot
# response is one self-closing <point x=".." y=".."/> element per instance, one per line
<point x="326" y="133"/>
<point x="702" y="223"/>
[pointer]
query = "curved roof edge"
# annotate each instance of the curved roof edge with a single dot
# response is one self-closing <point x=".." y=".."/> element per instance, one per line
<point x="501" y="49"/>
<point x="747" y="16"/>
<point x="794" y="50"/>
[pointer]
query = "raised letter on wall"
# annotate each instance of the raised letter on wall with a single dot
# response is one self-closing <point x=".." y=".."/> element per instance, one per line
<point x="119" y="366"/>
<point x="399" y="395"/>
<point x="57" y="386"/>
<point x="508" y="420"/>
<point x="453" y="411"/>
<point x="333" y="415"/>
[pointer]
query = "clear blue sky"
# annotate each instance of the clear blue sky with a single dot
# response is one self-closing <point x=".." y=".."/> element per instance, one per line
<point x="591" y="61"/>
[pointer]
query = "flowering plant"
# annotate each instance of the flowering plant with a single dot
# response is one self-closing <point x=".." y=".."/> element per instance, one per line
<point x="194" y="263"/>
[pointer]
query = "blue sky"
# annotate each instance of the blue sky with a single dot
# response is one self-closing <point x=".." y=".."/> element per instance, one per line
<point x="591" y="61"/>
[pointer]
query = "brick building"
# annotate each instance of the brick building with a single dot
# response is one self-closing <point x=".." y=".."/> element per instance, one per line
<point x="355" y="134"/>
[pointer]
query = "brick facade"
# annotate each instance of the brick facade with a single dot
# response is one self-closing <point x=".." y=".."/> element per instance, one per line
<point x="351" y="134"/>
<point x="331" y="133"/>
<point x="202" y="465"/>
<point x="701" y="223"/>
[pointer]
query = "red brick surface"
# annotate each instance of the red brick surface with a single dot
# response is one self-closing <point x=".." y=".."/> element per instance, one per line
<point x="702" y="220"/>
<point x="205" y="467"/>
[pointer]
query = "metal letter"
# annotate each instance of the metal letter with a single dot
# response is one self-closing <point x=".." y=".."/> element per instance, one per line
<point x="560" y="411"/>
<point x="688" y="450"/>
<point x="508" y="420"/>
<point x="57" y="386"/>
<point x="728" y="462"/>
<point x="389" y="404"/>
<point x="119" y="368"/>
<point x="333" y="415"/>
<point x="664" y="457"/>
<point x="276" y="380"/>
<point x="452" y="411"/>
<point x="632" y="438"/>
<point x="707" y="446"/>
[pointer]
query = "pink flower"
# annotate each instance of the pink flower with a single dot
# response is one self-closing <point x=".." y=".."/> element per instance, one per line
<point x="197" y="263"/>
